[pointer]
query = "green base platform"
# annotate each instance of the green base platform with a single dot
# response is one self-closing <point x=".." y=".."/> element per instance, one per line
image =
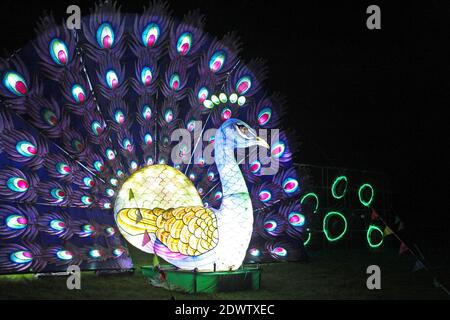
<point x="208" y="282"/>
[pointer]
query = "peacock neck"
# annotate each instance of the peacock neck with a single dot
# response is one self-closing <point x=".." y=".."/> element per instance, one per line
<point x="235" y="215"/>
<point x="233" y="182"/>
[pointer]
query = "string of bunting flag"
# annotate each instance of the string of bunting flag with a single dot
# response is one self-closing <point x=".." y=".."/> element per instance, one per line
<point x="420" y="259"/>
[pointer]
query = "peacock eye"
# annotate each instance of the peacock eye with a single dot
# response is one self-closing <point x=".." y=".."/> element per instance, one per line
<point x="270" y="225"/>
<point x="191" y="125"/>
<point x="109" y="192"/>
<point x="105" y="36"/>
<point x="17" y="184"/>
<point x="217" y="61"/>
<point x="255" y="166"/>
<point x="95" y="253"/>
<point x="88" y="182"/>
<point x="174" y="82"/>
<point x="133" y="165"/>
<point x="78" y="93"/>
<point x="26" y="148"/>
<point x="16" y="222"/>
<point x="59" y="52"/>
<point x="96" y="128"/>
<point x="184" y="43"/>
<point x="118" y="252"/>
<point x="202" y="94"/>
<point x="280" y="251"/>
<point x="243" y="130"/>
<point x="15" y="83"/>
<point x="168" y="115"/>
<point x="110" y="154"/>
<point x="119" y="117"/>
<point x="150" y="35"/>
<point x="63" y="168"/>
<point x="120" y="174"/>
<point x="243" y="85"/>
<point x="98" y="165"/>
<point x="146" y="76"/>
<point x="49" y="117"/>
<point x="64" y="255"/>
<point x="57" y="194"/>
<point x="126" y="144"/>
<point x="77" y="145"/>
<point x="86" y="200"/>
<point x="112" y="80"/>
<point x="264" y="116"/>
<point x="57" y="225"/>
<point x="226" y="114"/>
<point x="146" y="112"/>
<point x="21" y="257"/>
<point x="296" y="219"/>
<point x="254" y="252"/>
<point x="148" y="139"/>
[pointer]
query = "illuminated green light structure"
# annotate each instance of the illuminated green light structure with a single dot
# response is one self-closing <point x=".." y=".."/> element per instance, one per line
<point x="339" y="189"/>
<point x="311" y="195"/>
<point x="366" y="196"/>
<point x="366" y="201"/>
<point x="305" y="197"/>
<point x="308" y="239"/>
<point x="371" y="229"/>
<point x="334" y="187"/>
<point x="325" y="226"/>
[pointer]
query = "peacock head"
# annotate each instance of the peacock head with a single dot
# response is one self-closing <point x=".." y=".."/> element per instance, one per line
<point x="241" y="134"/>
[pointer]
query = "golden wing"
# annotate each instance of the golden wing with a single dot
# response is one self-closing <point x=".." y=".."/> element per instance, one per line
<point x="190" y="231"/>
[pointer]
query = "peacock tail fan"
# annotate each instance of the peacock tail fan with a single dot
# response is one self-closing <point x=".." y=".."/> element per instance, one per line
<point x="85" y="116"/>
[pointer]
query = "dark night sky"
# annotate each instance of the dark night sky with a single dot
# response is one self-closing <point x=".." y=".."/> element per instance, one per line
<point x="358" y="98"/>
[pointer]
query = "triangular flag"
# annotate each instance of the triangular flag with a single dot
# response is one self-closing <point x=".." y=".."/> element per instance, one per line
<point x="155" y="261"/>
<point x="387" y="231"/>
<point x="138" y="215"/>
<point x="418" y="266"/>
<point x="374" y="215"/>
<point x="401" y="226"/>
<point x="403" y="248"/>
<point x="146" y="239"/>
<point x="130" y="194"/>
<point x="397" y="220"/>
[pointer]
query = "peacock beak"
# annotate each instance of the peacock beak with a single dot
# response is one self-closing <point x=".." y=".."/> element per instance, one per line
<point x="261" y="142"/>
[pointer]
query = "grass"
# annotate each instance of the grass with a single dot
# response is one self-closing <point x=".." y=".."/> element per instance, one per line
<point x="329" y="274"/>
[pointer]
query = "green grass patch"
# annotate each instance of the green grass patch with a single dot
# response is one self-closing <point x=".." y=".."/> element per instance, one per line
<point x="329" y="274"/>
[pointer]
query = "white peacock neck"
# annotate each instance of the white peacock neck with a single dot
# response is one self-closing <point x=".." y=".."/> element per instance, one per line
<point x="233" y="182"/>
<point x="235" y="215"/>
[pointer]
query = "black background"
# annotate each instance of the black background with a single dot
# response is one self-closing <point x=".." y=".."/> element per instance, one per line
<point x="358" y="98"/>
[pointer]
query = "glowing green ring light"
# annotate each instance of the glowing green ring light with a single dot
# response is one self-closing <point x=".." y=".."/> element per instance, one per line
<point x="305" y="243"/>
<point x="371" y="229"/>
<point x="365" y="202"/>
<point x="325" y="225"/>
<point x="311" y="194"/>
<point x="335" y="184"/>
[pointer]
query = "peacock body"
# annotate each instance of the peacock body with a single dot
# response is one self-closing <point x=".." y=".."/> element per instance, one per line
<point x="90" y="125"/>
<point x="183" y="232"/>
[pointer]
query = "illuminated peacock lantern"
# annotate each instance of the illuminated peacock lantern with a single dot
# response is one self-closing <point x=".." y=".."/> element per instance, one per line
<point x="123" y="116"/>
